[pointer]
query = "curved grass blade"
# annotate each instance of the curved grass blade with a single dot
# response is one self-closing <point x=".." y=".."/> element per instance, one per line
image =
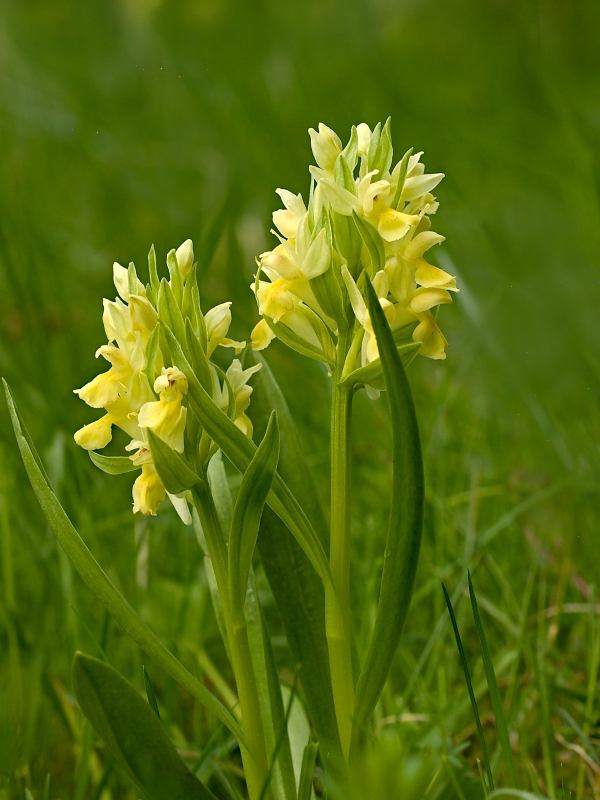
<point x="463" y="661"/>
<point x="95" y="579"/>
<point x="492" y="683"/>
<point x="405" y="526"/>
<point x="132" y="733"/>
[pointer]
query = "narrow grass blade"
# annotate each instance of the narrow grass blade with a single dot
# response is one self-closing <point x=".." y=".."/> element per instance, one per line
<point x="463" y="661"/>
<point x="309" y="759"/>
<point x="95" y="578"/>
<point x="493" y="689"/>
<point x="405" y="526"/>
<point x="546" y="732"/>
<point x="150" y="692"/>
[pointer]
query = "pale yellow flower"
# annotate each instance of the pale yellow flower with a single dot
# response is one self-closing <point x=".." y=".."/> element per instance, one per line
<point x="148" y="491"/>
<point x="217" y="321"/>
<point x="238" y="380"/>
<point x="166" y="417"/>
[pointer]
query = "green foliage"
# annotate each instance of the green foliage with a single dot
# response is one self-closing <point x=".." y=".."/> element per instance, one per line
<point x="132" y="733"/>
<point x="130" y="122"/>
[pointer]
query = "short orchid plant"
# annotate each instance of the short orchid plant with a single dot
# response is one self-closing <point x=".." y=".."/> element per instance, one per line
<point x="348" y="285"/>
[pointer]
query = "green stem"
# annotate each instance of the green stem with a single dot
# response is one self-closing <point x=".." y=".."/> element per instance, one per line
<point x="338" y="624"/>
<point x="255" y="759"/>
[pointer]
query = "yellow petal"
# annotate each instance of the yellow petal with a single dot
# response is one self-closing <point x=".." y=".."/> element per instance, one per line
<point x="422" y="242"/>
<point x="102" y="390"/>
<point x="286" y="222"/>
<point x="433" y="342"/>
<point x="166" y="420"/>
<point x="262" y="336"/>
<point x="428" y="275"/>
<point x="424" y="299"/>
<point x="96" y="435"/>
<point x="393" y="225"/>
<point x="281" y="260"/>
<point x="237" y="346"/>
<point x="148" y="491"/>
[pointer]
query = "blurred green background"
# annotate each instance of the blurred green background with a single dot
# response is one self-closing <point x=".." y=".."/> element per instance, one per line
<point x="127" y="122"/>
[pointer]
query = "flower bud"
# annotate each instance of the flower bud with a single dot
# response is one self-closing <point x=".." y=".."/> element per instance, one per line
<point x="185" y="258"/>
<point x="326" y="146"/>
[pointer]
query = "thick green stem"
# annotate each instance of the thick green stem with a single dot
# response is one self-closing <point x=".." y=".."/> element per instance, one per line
<point x="338" y="619"/>
<point x="255" y="755"/>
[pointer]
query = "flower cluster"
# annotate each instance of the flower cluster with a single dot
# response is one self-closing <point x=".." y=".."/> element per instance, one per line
<point x="362" y="216"/>
<point x="140" y="392"/>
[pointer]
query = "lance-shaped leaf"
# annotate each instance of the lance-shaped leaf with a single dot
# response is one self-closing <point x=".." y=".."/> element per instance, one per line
<point x="293" y="341"/>
<point x="296" y="587"/>
<point x="172" y="469"/>
<point x="169" y="311"/>
<point x="133" y="733"/>
<point x="405" y="526"/>
<point x="373" y="371"/>
<point x="402" y="170"/>
<point x="240" y="451"/>
<point x="95" y="578"/>
<point x="112" y="465"/>
<point x="373" y="242"/>
<point x="248" y="510"/>
<point x="175" y="274"/>
<point x="198" y="357"/>
<point x="152" y="351"/>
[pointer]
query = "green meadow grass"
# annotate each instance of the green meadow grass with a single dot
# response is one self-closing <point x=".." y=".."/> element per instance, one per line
<point x="129" y="122"/>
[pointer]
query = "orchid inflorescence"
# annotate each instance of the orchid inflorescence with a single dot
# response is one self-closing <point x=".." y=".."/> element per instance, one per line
<point x="377" y="222"/>
<point x="140" y="392"/>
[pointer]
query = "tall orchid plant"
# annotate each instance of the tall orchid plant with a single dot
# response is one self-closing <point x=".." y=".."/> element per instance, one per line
<point x="348" y="284"/>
